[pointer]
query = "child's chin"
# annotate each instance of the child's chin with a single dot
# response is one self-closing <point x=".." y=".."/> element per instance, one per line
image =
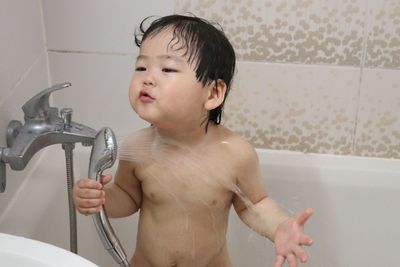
<point x="148" y="118"/>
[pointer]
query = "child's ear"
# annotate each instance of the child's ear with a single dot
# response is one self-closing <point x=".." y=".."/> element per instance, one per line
<point x="216" y="94"/>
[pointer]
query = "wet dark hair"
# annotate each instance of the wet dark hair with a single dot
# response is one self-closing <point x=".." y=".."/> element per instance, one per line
<point x="205" y="45"/>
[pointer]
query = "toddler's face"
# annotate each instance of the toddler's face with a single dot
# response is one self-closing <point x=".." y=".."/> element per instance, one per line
<point x="164" y="90"/>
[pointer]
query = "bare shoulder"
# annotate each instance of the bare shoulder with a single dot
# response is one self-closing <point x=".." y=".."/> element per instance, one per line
<point x="136" y="147"/>
<point x="239" y="150"/>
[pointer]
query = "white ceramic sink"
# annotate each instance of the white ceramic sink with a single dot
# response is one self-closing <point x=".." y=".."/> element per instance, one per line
<point x="18" y="251"/>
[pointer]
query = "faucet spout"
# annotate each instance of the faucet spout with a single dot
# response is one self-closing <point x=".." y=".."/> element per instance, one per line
<point x="32" y="138"/>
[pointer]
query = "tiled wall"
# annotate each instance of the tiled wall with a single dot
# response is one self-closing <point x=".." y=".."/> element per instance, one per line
<point x="91" y="45"/>
<point x="313" y="76"/>
<point x="23" y="73"/>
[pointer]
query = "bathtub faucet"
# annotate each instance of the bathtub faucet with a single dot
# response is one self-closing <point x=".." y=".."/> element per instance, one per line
<point x="44" y="126"/>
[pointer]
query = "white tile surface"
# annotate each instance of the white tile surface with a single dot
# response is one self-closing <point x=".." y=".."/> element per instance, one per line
<point x="21" y="42"/>
<point x="99" y="91"/>
<point x="35" y="81"/>
<point x="98" y="25"/>
<point x="11" y="106"/>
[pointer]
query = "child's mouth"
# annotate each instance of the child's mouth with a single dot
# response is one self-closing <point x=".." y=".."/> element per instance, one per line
<point x="145" y="97"/>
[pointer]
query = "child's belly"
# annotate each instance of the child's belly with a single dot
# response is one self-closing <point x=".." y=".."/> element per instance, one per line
<point x="191" y="238"/>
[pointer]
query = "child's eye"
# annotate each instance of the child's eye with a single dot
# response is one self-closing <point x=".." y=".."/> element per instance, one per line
<point x="140" y="69"/>
<point x="169" y="70"/>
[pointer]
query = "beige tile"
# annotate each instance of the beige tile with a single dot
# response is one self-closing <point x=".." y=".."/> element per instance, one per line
<point x="294" y="107"/>
<point x="383" y="44"/>
<point x="312" y="32"/>
<point x="378" y="127"/>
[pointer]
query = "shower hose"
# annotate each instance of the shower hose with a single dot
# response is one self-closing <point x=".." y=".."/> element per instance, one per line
<point x="68" y="148"/>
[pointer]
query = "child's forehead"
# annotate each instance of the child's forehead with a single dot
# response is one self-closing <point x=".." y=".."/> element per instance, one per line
<point x="167" y="43"/>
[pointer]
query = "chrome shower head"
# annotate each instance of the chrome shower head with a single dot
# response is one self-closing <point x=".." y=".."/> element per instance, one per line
<point x="103" y="156"/>
<point x="104" y="153"/>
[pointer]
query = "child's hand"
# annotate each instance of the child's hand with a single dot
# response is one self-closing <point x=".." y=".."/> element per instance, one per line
<point x="290" y="239"/>
<point x="89" y="195"/>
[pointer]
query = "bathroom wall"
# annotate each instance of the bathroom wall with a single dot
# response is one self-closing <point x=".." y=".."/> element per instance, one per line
<point x="91" y="45"/>
<point x="313" y="76"/>
<point x="23" y="73"/>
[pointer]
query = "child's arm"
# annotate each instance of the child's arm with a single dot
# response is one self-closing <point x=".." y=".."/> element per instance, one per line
<point x="121" y="198"/>
<point x="265" y="217"/>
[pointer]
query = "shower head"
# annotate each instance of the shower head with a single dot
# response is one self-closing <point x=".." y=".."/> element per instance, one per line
<point x="104" y="153"/>
<point x="103" y="156"/>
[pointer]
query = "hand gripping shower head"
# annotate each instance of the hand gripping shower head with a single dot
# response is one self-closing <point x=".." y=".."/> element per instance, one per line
<point x="103" y="156"/>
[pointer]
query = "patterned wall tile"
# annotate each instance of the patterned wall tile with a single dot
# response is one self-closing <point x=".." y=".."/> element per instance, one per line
<point x="313" y="108"/>
<point x="383" y="43"/>
<point x="301" y="108"/>
<point x="301" y="31"/>
<point x="378" y="127"/>
<point x="294" y="107"/>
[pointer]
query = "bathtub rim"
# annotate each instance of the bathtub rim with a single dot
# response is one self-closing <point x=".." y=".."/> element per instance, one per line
<point x="321" y="161"/>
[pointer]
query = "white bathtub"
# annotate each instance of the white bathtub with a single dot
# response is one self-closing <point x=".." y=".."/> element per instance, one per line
<point x="355" y="202"/>
<point x="18" y="251"/>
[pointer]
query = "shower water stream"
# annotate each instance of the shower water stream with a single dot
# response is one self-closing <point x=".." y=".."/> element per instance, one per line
<point x="184" y="166"/>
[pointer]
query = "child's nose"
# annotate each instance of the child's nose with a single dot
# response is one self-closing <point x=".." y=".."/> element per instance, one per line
<point x="149" y="79"/>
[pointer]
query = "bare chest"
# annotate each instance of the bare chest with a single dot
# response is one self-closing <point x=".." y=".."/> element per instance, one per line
<point x="187" y="180"/>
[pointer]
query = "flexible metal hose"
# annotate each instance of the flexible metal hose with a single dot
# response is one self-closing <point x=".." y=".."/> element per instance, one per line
<point x="70" y="183"/>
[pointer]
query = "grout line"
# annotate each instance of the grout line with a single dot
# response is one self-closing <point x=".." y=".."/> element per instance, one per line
<point x="326" y="65"/>
<point x="90" y="52"/>
<point x="45" y="43"/>
<point x="362" y="66"/>
<point x="49" y="80"/>
<point x="22" y="78"/>
<point x="297" y="64"/>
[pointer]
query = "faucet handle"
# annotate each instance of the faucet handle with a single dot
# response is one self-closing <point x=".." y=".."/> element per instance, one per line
<point x="38" y="106"/>
<point x="66" y="115"/>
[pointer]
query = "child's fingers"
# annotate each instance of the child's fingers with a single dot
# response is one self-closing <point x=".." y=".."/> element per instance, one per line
<point x="89" y="202"/>
<point x="279" y="261"/>
<point x="105" y="179"/>
<point x="88" y="192"/>
<point x="89" y="211"/>
<point x="304" y="216"/>
<point x="89" y="183"/>
<point x="291" y="259"/>
<point x="306" y="240"/>
<point x="300" y="253"/>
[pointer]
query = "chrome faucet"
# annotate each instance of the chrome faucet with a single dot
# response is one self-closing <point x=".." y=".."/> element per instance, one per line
<point x="43" y="126"/>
